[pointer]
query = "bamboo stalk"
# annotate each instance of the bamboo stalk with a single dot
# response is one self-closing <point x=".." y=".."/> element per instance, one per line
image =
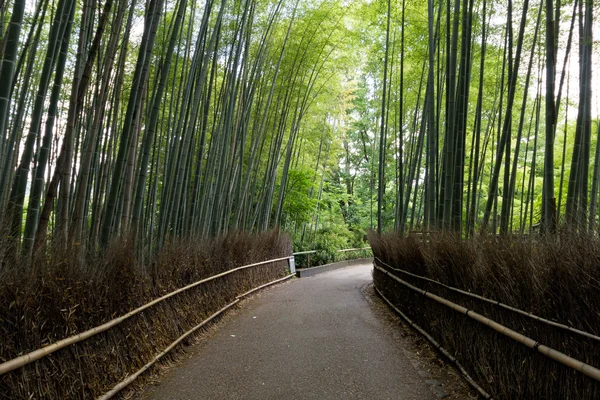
<point x="47" y="350"/>
<point x="497" y="303"/>
<point x="555" y="355"/>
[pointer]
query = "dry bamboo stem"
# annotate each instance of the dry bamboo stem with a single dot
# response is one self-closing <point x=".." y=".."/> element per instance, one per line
<point x="496" y="303"/>
<point x="127" y="381"/>
<point x="47" y="350"/>
<point x="442" y="350"/>
<point x="555" y="355"/>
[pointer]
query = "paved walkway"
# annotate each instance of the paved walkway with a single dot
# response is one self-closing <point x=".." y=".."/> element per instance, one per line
<point x="311" y="338"/>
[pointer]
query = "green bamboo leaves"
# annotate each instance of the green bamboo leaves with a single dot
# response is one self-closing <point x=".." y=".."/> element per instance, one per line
<point x="159" y="119"/>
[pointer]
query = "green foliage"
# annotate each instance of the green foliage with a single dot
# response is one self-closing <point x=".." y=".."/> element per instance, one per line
<point x="298" y="205"/>
<point x="327" y="241"/>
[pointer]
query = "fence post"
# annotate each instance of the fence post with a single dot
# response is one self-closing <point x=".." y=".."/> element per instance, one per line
<point x="292" y="264"/>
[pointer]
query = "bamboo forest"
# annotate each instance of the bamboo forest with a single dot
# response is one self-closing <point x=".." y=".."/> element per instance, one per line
<point x="147" y="144"/>
<point x="166" y="119"/>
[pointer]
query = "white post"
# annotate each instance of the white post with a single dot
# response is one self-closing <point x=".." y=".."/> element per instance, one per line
<point x="292" y="264"/>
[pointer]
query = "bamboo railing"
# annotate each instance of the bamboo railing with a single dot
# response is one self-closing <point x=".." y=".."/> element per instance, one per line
<point x="35" y="355"/>
<point x="549" y="352"/>
<point x="496" y="303"/>
<point x="308" y="253"/>
<point x="127" y="381"/>
<point x="442" y="350"/>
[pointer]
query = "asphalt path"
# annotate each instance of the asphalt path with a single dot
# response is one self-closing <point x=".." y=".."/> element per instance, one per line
<point x="311" y="338"/>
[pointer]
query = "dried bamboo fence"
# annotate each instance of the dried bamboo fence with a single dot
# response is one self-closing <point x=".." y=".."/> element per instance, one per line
<point x="463" y="339"/>
<point x="75" y="368"/>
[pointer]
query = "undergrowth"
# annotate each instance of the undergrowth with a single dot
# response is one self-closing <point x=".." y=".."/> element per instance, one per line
<point x="61" y="293"/>
<point x="556" y="278"/>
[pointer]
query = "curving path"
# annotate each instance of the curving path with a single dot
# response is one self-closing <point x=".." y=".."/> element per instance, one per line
<point x="311" y="338"/>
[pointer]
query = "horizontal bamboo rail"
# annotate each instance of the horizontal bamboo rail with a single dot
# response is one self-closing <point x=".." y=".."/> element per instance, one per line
<point x="442" y="350"/>
<point x="35" y="355"/>
<point x="357" y="249"/>
<point x="248" y="293"/>
<point x="338" y="251"/>
<point x="305" y="252"/>
<point x="496" y="303"/>
<point x="127" y="381"/>
<point x="555" y="355"/>
<point x="309" y="252"/>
